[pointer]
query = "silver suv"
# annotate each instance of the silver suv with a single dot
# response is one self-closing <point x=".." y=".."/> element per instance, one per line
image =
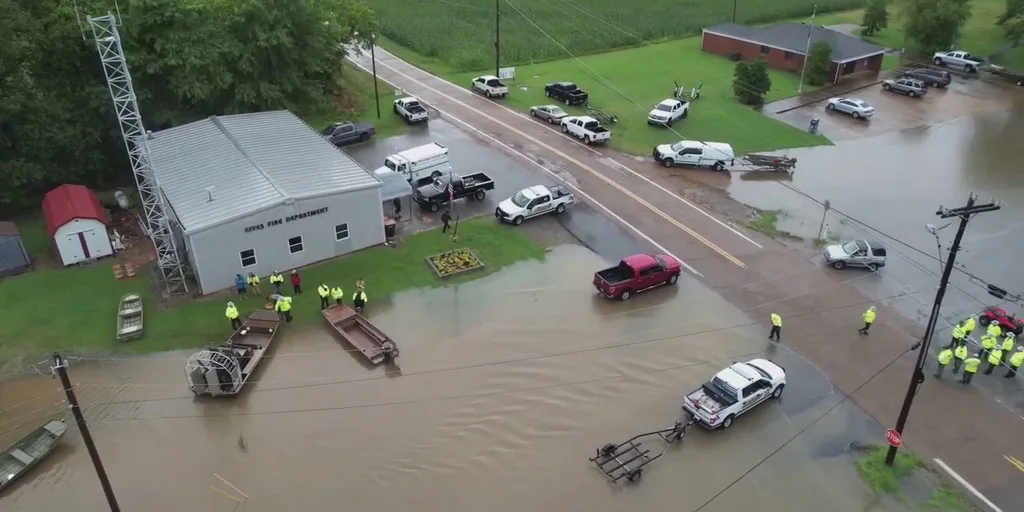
<point x="909" y="86"/>
<point x="856" y="253"/>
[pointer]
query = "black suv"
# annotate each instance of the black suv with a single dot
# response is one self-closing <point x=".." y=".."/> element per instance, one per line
<point x="932" y="77"/>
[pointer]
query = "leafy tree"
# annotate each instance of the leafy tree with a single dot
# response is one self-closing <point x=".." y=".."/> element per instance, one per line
<point x="818" y="63"/>
<point x="1012" y="21"/>
<point x="876" y="17"/>
<point x="751" y="82"/>
<point x="935" y="24"/>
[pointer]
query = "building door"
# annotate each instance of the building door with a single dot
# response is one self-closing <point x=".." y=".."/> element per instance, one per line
<point x="85" y="245"/>
<point x="849" y="67"/>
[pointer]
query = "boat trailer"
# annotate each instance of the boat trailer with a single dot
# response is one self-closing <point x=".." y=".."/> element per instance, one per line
<point x="627" y="460"/>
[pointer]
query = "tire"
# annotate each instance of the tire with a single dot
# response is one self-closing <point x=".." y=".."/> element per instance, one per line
<point x="1020" y="83"/>
<point x="778" y="391"/>
<point x="672" y="279"/>
<point x="938" y="62"/>
<point x="727" y="422"/>
<point x="547" y="93"/>
<point x="667" y="162"/>
<point x="434" y="207"/>
<point x="395" y="108"/>
<point x="566" y="101"/>
<point x="830" y="107"/>
<point x="363" y="137"/>
<point x="873" y="267"/>
<point x="624" y="295"/>
<point x="719" y="166"/>
<point x="586" y="139"/>
<point x="533" y="113"/>
<point x="970" y="69"/>
<point x="912" y="94"/>
<point x="479" y="195"/>
<point x="886" y="87"/>
<point x="669" y="122"/>
<point x="856" y="115"/>
<point x="936" y="85"/>
<point x="565" y="129"/>
<point x="518" y="221"/>
<point x="488" y="94"/>
<point x="984" y="320"/>
<point x="839" y="265"/>
<point x="560" y="208"/>
<point x="551" y="121"/>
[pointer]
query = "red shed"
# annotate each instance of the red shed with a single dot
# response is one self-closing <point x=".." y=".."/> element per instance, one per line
<point x="77" y="223"/>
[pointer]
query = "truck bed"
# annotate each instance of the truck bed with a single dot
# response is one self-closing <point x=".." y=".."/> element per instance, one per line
<point x="357" y="331"/>
<point x="477" y="180"/>
<point x="615" y="275"/>
<point x="706" y="399"/>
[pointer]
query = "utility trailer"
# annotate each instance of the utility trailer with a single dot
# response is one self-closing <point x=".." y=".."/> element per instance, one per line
<point x="627" y="459"/>
<point x="600" y="115"/>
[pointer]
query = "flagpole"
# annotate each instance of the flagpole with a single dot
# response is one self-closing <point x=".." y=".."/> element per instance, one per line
<point x="807" y="50"/>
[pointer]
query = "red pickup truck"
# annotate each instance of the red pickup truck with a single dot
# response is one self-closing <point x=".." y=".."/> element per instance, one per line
<point x="635" y="274"/>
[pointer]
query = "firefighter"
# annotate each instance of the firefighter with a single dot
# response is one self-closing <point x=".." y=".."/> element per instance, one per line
<point x="988" y="343"/>
<point x="971" y="365"/>
<point x="959" y="354"/>
<point x="359" y="301"/>
<point x="969" y="325"/>
<point x="276" y="281"/>
<point x="253" y="281"/>
<point x="994" y="358"/>
<point x="994" y="330"/>
<point x="337" y="295"/>
<point x="232" y="313"/>
<point x="945" y="356"/>
<point x="1015" y="361"/>
<point x="776" y="327"/>
<point x="1008" y="342"/>
<point x="325" y="293"/>
<point x="283" y="306"/>
<point x="958" y="335"/>
<point x="869" y="318"/>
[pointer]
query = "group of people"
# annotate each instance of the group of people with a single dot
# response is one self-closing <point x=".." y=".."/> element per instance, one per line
<point x="335" y="293"/>
<point x="252" y="282"/>
<point x="997" y="349"/>
<point x="283" y="304"/>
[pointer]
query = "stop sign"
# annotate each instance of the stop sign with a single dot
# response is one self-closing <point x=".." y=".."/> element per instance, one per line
<point x="893" y="438"/>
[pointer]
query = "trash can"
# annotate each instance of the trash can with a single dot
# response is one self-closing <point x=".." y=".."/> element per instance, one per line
<point x="735" y="56"/>
<point x="813" y="128"/>
<point x="389" y="228"/>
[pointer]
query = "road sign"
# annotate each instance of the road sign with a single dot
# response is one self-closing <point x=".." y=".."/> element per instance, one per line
<point x="507" y="73"/>
<point x="893" y="438"/>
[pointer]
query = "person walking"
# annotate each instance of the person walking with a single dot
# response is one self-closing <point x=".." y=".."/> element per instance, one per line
<point x="337" y="295"/>
<point x="959" y="354"/>
<point x="254" y="282"/>
<point x="1015" y="361"/>
<point x="994" y="358"/>
<point x="240" y="285"/>
<point x="283" y="306"/>
<point x="969" y="325"/>
<point x="296" y="280"/>
<point x="945" y="356"/>
<point x="397" y="203"/>
<point x="869" y="318"/>
<point x="994" y="330"/>
<point x="446" y="217"/>
<point x="1008" y="343"/>
<point x="232" y="313"/>
<point x="958" y="335"/>
<point x="324" y="292"/>
<point x="776" y="327"/>
<point x="971" y="365"/>
<point x="276" y="281"/>
<point x="987" y="344"/>
<point x="359" y="301"/>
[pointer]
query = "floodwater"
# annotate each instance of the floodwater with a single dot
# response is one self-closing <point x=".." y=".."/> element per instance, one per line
<point x="508" y="384"/>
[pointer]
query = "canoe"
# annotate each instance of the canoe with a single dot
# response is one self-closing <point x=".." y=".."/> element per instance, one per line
<point x="129" y="317"/>
<point x="25" y="454"/>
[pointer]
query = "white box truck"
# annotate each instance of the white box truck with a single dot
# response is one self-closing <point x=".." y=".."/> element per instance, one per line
<point x="422" y="163"/>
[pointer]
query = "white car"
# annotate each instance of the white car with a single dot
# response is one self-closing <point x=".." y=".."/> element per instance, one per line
<point x="859" y="109"/>
<point x="411" y="110"/>
<point x="490" y="86"/>
<point x="533" y="202"/>
<point x="734" y="391"/>
<point x="668" y="112"/>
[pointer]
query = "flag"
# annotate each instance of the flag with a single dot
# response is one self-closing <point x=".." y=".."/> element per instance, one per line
<point x="451" y="192"/>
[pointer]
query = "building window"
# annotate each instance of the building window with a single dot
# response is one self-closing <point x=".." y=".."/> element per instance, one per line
<point x="248" y="258"/>
<point x="764" y="49"/>
<point x="341" y="232"/>
<point x="295" y="244"/>
<point x="787" y="55"/>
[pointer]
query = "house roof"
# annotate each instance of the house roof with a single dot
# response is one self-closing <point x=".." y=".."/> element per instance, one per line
<point x="247" y="163"/>
<point x="792" y="37"/>
<point x="69" y="202"/>
<point x="8" y="229"/>
<point x="394" y="185"/>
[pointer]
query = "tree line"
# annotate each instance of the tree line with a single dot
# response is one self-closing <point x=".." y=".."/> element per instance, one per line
<point x="188" y="60"/>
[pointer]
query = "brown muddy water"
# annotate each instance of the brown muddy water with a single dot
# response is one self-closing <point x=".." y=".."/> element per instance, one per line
<point x="508" y="384"/>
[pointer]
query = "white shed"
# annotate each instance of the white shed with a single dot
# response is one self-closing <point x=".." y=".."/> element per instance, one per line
<point x="77" y="223"/>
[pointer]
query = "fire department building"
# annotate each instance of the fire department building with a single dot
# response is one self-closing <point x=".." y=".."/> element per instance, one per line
<point x="783" y="46"/>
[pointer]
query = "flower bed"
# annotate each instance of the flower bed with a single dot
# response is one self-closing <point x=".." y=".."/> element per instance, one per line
<point x="452" y="263"/>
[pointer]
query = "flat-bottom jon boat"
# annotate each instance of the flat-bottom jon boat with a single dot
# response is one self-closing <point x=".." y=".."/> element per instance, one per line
<point x="129" y="317"/>
<point x="25" y="454"/>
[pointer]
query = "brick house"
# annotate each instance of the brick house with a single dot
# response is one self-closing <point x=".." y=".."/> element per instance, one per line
<point x="783" y="46"/>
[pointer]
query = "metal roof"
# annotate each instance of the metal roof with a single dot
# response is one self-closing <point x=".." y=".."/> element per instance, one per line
<point x="227" y="167"/>
<point x="394" y="185"/>
<point x="792" y="37"/>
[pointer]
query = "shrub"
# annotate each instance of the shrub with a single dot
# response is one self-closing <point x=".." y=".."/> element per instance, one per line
<point x="819" y="60"/>
<point x="751" y="82"/>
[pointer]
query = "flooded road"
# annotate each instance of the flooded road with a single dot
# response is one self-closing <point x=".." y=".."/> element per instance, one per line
<point x="508" y="384"/>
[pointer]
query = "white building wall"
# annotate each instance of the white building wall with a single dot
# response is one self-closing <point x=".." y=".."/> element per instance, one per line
<point x="69" y="243"/>
<point x="215" y="253"/>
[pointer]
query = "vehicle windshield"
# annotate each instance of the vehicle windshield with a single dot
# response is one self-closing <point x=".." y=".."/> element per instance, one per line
<point x="557" y="111"/>
<point x="850" y="247"/>
<point x="678" y="146"/>
<point x="520" y="199"/>
<point x="663" y="108"/>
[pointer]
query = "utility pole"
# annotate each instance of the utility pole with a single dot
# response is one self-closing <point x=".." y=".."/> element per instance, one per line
<point x="807" y="50"/>
<point x="734" y="11"/>
<point x="61" y="366"/>
<point x="917" y="378"/>
<point x="373" y="59"/>
<point x="497" y="38"/>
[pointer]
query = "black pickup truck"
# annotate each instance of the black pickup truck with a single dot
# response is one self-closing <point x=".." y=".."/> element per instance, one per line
<point x="566" y="92"/>
<point x="434" y="194"/>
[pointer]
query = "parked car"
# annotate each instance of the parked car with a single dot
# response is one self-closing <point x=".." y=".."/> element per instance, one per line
<point x="1000" y="71"/>
<point x="859" y="109"/>
<point x="567" y="93"/>
<point x="490" y="86"/>
<point x="909" y="86"/>
<point x="1008" y="323"/>
<point x="587" y="129"/>
<point x="856" y="253"/>
<point x="635" y="274"/>
<point x="435" y="193"/>
<point x="668" y="112"/>
<point x="346" y="133"/>
<point x="551" y="113"/>
<point x="932" y="77"/>
<point x="411" y="110"/>
<point x="958" y="58"/>
<point x="734" y="391"/>
<point x="534" y="202"/>
<point x="695" y="153"/>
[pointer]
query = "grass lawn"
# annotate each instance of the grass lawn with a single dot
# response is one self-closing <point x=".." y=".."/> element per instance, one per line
<point x="73" y="310"/>
<point x="884" y="479"/>
<point x="358" y="106"/>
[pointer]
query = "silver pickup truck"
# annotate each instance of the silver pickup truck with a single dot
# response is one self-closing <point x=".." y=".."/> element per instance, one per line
<point x="959" y="59"/>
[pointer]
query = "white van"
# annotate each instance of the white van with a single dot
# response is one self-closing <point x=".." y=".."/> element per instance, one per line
<point x="426" y="161"/>
<point x="695" y="153"/>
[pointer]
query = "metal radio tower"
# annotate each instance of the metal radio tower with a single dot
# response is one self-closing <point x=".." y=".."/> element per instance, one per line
<point x="119" y="81"/>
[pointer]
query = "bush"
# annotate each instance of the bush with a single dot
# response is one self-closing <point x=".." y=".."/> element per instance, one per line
<point x="751" y="82"/>
<point x="819" y="61"/>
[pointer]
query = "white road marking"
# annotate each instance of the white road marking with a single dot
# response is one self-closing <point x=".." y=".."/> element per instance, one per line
<point x="559" y="178"/>
<point x="592" y="150"/>
<point x="968" y="486"/>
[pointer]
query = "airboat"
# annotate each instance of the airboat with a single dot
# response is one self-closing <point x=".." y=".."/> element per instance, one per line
<point x="224" y="370"/>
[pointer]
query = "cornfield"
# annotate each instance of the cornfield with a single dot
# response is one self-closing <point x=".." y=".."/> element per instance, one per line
<point x="461" y="32"/>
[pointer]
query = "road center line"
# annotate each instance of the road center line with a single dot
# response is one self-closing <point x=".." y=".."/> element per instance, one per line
<point x="581" y="165"/>
<point x="968" y="486"/>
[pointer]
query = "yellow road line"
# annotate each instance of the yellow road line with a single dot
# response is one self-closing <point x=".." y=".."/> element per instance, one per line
<point x="230" y="497"/>
<point x="1015" y="462"/>
<point x="583" y="166"/>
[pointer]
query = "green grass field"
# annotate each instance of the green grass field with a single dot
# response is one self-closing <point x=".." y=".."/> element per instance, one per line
<point x="460" y="32"/>
<point x="73" y="310"/>
<point x="358" y="105"/>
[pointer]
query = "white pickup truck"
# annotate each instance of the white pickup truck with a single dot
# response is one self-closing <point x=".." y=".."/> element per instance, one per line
<point x="958" y="58"/>
<point x="534" y="202"/>
<point x="587" y="129"/>
<point x="490" y="86"/>
<point x="734" y="391"/>
<point x="411" y="110"/>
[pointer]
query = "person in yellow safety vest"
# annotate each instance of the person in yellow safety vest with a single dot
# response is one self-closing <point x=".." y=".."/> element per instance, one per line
<point x="969" y="325"/>
<point x="994" y="358"/>
<point x="276" y="281"/>
<point x="987" y="344"/>
<point x="1015" y="361"/>
<point x="994" y="330"/>
<point x="959" y="354"/>
<point x="325" y="293"/>
<point x="283" y="306"/>
<point x="254" y="282"/>
<point x="359" y="300"/>
<point x="776" y="328"/>
<point x="958" y="335"/>
<point x="337" y="294"/>
<point x="971" y="365"/>
<point x="869" y="318"/>
<point x="232" y="313"/>
<point x="945" y="357"/>
<point x="1008" y="342"/>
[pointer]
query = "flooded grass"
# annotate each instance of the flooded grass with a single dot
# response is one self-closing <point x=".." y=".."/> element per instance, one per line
<point x="882" y="478"/>
<point x="74" y="309"/>
<point x="766" y="222"/>
<point x="947" y="499"/>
